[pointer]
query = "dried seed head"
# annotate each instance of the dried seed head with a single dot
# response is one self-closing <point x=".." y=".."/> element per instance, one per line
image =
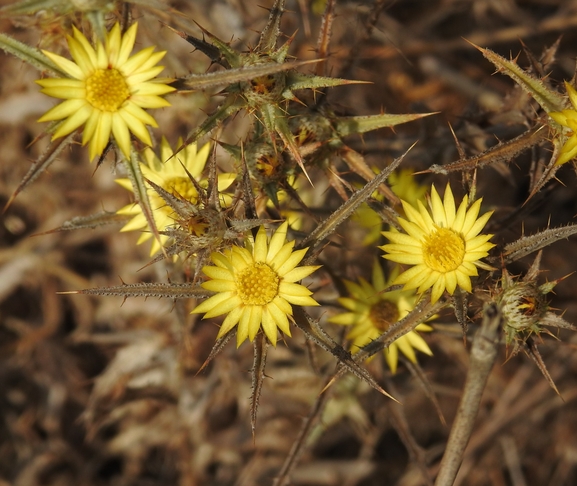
<point x="523" y="305"/>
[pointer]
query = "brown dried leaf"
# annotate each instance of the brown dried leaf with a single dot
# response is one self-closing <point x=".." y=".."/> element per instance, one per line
<point x="528" y="244"/>
<point x="166" y="290"/>
<point x="258" y="367"/>
<point x="502" y="152"/>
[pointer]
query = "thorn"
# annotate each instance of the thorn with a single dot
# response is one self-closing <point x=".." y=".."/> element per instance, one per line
<point x="534" y="354"/>
<point x="427" y="171"/>
<point x="204" y="365"/>
<point x="10" y="201"/>
<point x="329" y="384"/>
<point x="462" y="154"/>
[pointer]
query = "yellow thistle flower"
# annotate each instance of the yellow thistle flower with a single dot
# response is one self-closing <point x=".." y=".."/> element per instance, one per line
<point x="568" y="118"/>
<point x="106" y="91"/>
<point x="404" y="186"/>
<point x="294" y="217"/>
<point x="372" y="312"/>
<point x="256" y="286"/>
<point x="444" y="245"/>
<point x="169" y="172"/>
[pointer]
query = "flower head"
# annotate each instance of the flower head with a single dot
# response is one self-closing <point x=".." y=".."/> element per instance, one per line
<point x="443" y="244"/>
<point x="525" y="307"/>
<point x="106" y="90"/>
<point x="568" y="118"/>
<point x="256" y="286"/>
<point x="170" y="173"/>
<point x="372" y="312"/>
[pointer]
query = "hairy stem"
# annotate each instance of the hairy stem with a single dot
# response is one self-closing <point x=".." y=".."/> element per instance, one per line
<point x="483" y="354"/>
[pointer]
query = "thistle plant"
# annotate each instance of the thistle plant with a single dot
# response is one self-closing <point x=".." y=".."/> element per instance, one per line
<point x="180" y="176"/>
<point x="250" y="206"/>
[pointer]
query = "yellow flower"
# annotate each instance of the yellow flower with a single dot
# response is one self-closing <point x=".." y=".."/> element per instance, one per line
<point x="444" y="245"/>
<point x="372" y="312"/>
<point x="404" y="186"/>
<point x="294" y="217"/>
<point x="568" y="118"/>
<point x="169" y="172"/>
<point x="106" y="91"/>
<point x="256" y="286"/>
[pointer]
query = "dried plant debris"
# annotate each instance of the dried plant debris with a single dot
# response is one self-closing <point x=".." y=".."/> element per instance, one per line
<point x="312" y="230"/>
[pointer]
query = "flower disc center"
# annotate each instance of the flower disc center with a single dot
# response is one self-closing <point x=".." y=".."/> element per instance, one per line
<point x="443" y="250"/>
<point x="197" y="226"/>
<point x="183" y="187"/>
<point x="106" y="89"/>
<point x="257" y="284"/>
<point x="383" y="314"/>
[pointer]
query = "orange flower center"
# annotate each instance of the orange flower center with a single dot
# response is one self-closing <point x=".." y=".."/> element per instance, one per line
<point x="383" y="314"/>
<point x="198" y="226"/>
<point x="257" y="284"/>
<point x="106" y="90"/>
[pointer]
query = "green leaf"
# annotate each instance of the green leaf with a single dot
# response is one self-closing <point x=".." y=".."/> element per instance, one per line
<point x="271" y="31"/>
<point x="91" y="222"/>
<point x="362" y="124"/>
<point x="209" y="50"/>
<point x="233" y="76"/>
<point x="31" y="55"/>
<point x="231" y="105"/>
<point x="548" y="99"/>
<point x="296" y="80"/>
<point x="281" y="53"/>
<point x="234" y="150"/>
<point x="233" y="58"/>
